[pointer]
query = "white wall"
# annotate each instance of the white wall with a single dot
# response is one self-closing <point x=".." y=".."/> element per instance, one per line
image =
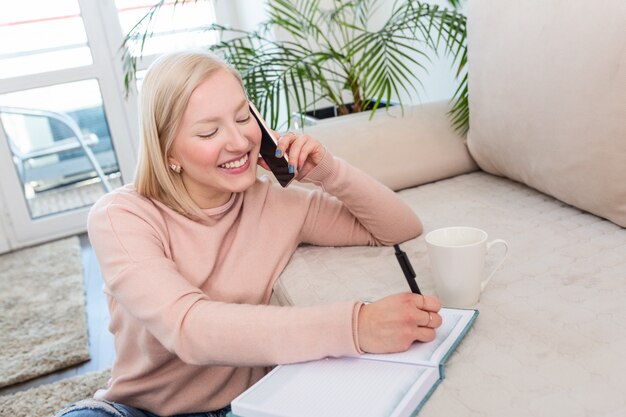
<point x="240" y="14"/>
<point x="438" y="80"/>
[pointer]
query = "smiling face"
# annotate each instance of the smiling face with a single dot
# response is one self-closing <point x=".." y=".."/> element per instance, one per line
<point x="218" y="140"/>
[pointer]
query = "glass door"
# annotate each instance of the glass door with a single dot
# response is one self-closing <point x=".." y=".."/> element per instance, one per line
<point x="61" y="149"/>
<point x="64" y="126"/>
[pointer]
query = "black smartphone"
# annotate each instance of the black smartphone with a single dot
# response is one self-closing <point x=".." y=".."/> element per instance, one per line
<point x="278" y="165"/>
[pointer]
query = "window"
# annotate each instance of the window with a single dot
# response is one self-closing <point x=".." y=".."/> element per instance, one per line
<point x="64" y="46"/>
<point x="61" y="148"/>
<point x="173" y="26"/>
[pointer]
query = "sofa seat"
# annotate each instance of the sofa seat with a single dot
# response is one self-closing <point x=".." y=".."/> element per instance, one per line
<point x="551" y="335"/>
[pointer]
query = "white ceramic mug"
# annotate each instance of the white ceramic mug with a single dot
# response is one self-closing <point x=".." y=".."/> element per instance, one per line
<point x="457" y="258"/>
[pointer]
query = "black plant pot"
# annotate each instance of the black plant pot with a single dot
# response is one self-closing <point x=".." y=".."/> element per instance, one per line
<point x="331" y="111"/>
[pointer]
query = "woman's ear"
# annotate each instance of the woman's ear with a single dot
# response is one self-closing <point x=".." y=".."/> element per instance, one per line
<point x="172" y="160"/>
<point x="173" y="164"/>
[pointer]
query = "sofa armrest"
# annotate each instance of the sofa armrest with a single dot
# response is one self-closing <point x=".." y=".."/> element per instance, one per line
<point x="400" y="151"/>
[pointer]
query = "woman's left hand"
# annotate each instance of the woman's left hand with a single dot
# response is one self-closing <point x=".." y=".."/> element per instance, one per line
<point x="303" y="152"/>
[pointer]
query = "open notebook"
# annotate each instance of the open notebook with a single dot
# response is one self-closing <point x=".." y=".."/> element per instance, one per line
<point x="370" y="385"/>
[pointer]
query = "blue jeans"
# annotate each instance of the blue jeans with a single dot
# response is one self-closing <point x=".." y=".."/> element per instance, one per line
<point x="99" y="408"/>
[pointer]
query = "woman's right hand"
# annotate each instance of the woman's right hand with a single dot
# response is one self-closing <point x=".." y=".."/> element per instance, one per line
<point x="393" y="323"/>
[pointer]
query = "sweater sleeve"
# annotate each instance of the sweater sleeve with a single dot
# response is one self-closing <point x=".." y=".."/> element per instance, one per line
<point x="359" y="210"/>
<point x="145" y="283"/>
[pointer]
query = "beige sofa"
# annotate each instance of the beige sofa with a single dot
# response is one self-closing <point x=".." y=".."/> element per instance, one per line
<point x="546" y="149"/>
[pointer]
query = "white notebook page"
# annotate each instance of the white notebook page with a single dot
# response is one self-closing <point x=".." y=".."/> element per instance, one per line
<point x="340" y="386"/>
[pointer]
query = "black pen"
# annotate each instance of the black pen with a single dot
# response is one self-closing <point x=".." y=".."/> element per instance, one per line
<point x="407" y="269"/>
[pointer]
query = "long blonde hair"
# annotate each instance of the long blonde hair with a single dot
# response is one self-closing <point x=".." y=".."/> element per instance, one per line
<point x="165" y="92"/>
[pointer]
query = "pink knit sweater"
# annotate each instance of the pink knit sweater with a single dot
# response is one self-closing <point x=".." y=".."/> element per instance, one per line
<point x="188" y="300"/>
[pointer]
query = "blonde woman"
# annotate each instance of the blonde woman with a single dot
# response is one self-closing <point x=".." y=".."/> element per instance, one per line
<point x="190" y="252"/>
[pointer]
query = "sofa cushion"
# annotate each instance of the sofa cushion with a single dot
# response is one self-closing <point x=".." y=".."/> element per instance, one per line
<point x="548" y="98"/>
<point x="400" y="151"/>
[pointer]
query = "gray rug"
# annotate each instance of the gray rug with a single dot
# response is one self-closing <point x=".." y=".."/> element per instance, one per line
<point x="42" y="311"/>
<point x="46" y="400"/>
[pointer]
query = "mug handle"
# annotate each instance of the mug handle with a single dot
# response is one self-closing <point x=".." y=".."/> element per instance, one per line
<point x="506" y="251"/>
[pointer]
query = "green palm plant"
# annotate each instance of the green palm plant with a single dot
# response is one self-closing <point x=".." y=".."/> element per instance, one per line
<point x="330" y="54"/>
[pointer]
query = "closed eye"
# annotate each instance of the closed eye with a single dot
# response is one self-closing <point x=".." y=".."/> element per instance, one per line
<point x="244" y="120"/>
<point x="207" y="135"/>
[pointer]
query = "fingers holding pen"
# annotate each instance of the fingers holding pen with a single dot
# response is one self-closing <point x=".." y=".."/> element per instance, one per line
<point x="427" y="303"/>
<point x="428" y="308"/>
<point x="395" y="322"/>
<point x="428" y="316"/>
<point x="429" y="319"/>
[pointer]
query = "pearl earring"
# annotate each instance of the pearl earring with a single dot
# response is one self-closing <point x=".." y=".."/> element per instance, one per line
<point x="176" y="168"/>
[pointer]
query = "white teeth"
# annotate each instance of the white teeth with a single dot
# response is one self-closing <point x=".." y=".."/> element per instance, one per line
<point x="235" y="164"/>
